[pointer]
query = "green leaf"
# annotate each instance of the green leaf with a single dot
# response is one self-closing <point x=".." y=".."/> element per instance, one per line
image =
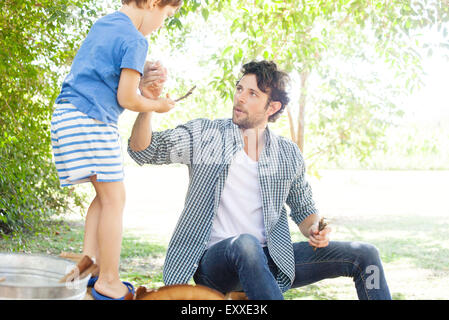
<point x="205" y="13"/>
<point x="266" y="55"/>
<point x="226" y="51"/>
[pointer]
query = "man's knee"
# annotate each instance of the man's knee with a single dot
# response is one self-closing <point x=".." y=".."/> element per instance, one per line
<point x="370" y="251"/>
<point x="247" y="245"/>
<point x="366" y="253"/>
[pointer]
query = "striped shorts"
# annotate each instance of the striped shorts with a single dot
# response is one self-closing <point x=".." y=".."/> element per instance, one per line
<point x="84" y="147"/>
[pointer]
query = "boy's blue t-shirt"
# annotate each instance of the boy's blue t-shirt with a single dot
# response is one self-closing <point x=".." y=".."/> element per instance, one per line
<point x="112" y="43"/>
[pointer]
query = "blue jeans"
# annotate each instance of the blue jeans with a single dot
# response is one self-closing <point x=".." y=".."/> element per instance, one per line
<point x="241" y="264"/>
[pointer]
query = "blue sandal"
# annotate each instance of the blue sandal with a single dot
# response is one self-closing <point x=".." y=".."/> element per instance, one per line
<point x="99" y="296"/>
<point x="92" y="281"/>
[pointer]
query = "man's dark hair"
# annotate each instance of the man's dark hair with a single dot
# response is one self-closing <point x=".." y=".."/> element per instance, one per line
<point x="162" y="3"/>
<point x="271" y="81"/>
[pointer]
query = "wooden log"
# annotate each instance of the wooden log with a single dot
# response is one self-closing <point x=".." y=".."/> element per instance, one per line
<point x="72" y="256"/>
<point x="82" y="266"/>
<point x="94" y="270"/>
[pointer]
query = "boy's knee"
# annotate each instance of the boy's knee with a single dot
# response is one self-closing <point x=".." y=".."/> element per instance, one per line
<point x="112" y="195"/>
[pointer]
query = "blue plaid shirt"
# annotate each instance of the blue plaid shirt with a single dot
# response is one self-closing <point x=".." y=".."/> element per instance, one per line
<point x="207" y="147"/>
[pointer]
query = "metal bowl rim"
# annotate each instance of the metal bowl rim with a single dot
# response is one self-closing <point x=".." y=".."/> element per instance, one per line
<point x="55" y="285"/>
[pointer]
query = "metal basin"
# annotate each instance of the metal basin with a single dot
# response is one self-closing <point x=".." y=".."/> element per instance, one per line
<point x="34" y="276"/>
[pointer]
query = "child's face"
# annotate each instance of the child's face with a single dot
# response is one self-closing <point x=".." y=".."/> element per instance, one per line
<point x="154" y="18"/>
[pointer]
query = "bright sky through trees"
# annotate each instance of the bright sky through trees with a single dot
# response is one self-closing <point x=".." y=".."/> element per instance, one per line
<point x="430" y="103"/>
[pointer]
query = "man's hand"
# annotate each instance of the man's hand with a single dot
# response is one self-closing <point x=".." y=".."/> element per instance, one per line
<point x="153" y="79"/>
<point x="319" y="239"/>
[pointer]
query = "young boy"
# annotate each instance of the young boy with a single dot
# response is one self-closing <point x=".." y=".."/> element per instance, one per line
<point x="103" y="81"/>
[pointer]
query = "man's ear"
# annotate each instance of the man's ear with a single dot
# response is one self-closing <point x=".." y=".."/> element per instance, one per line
<point x="274" y="107"/>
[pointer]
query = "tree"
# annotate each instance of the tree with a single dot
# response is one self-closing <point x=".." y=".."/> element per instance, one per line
<point x="318" y="41"/>
<point x="38" y="40"/>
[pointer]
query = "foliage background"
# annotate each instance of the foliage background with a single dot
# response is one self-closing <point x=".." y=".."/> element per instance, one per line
<point x="359" y="59"/>
<point x="37" y="38"/>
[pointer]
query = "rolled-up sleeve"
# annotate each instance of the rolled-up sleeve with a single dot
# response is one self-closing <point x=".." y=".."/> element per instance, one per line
<point x="170" y="146"/>
<point x="300" y="198"/>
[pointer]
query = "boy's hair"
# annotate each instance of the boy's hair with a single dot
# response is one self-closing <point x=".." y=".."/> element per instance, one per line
<point x="271" y="81"/>
<point x="162" y="3"/>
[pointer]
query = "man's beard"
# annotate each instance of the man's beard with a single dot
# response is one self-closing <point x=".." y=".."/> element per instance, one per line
<point x="245" y="122"/>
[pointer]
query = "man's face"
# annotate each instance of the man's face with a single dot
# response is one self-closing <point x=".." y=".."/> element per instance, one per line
<point x="250" y="104"/>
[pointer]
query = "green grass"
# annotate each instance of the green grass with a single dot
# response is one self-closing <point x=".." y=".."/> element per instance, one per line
<point x="141" y="261"/>
<point x="422" y="240"/>
<point x="414" y="250"/>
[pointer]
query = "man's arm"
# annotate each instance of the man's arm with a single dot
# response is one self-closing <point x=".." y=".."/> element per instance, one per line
<point x="141" y="146"/>
<point x="163" y="147"/>
<point x="307" y="223"/>
<point x="150" y="86"/>
<point x="141" y="133"/>
<point x="303" y="211"/>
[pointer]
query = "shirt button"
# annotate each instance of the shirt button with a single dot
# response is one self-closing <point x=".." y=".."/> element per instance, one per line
<point x="195" y="265"/>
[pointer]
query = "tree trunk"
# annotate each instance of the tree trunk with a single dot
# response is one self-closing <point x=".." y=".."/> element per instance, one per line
<point x="298" y="134"/>
<point x="292" y="124"/>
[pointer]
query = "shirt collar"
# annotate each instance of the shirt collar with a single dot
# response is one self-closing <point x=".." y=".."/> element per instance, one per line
<point x="238" y="137"/>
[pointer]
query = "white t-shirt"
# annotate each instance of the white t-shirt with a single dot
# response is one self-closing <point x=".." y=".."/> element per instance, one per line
<point x="240" y="208"/>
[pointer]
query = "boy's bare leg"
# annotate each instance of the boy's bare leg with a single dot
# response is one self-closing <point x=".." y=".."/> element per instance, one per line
<point x="109" y="234"/>
<point x="90" y="246"/>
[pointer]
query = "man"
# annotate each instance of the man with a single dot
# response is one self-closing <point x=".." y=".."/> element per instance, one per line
<point x="233" y="233"/>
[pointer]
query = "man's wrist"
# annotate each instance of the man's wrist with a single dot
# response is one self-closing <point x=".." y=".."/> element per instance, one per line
<point x="306" y="225"/>
<point x="147" y="95"/>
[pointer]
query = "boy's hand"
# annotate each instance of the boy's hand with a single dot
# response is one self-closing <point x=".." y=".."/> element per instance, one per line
<point x="153" y="79"/>
<point x="164" y="105"/>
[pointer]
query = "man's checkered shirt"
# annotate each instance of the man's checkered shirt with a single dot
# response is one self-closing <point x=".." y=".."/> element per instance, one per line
<point x="207" y="147"/>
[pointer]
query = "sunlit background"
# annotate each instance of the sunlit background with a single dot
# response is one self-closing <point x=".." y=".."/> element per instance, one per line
<point x="423" y="128"/>
<point x="396" y="198"/>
